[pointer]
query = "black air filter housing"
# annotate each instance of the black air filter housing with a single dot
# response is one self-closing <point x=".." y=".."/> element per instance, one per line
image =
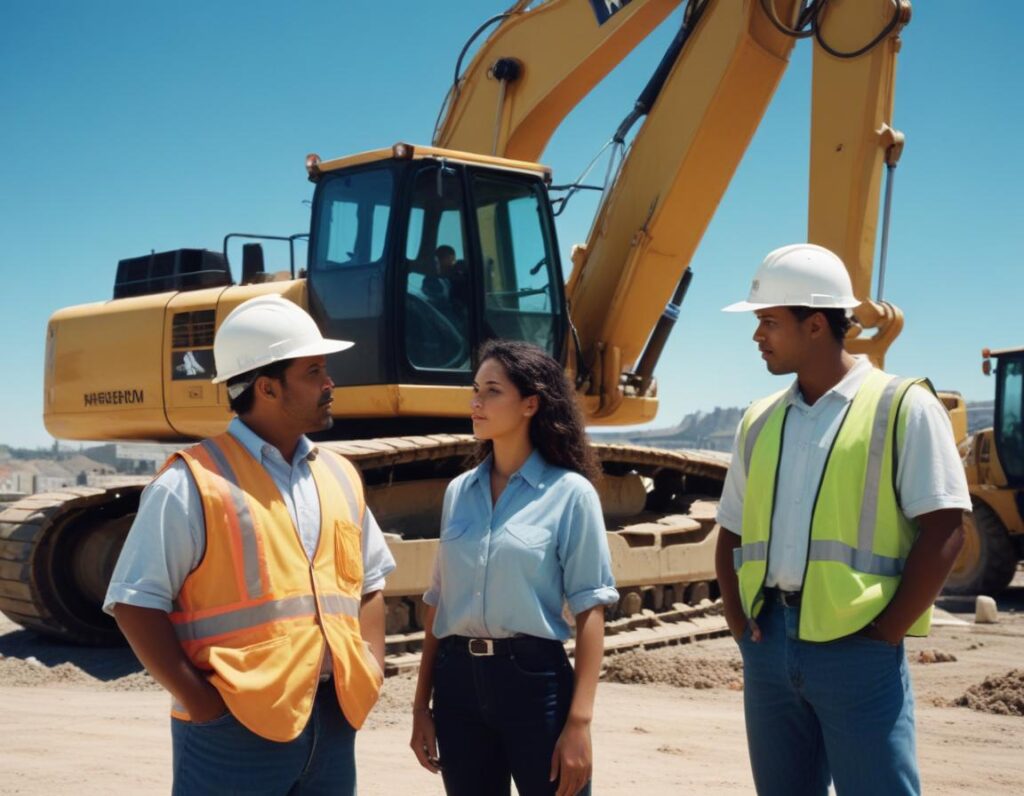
<point x="181" y="269"/>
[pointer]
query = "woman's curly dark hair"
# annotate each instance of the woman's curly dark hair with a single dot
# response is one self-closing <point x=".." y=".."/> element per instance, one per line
<point x="557" y="429"/>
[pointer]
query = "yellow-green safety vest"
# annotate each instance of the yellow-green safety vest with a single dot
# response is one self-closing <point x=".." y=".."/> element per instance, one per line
<point x="859" y="537"/>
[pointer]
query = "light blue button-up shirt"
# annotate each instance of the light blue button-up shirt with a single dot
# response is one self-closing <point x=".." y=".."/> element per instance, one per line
<point x="168" y="537"/>
<point x="507" y="570"/>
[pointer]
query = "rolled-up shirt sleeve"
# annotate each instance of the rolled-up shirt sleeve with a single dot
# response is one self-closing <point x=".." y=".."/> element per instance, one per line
<point x="377" y="558"/>
<point x="930" y="473"/>
<point x="583" y="549"/>
<point x="165" y="543"/>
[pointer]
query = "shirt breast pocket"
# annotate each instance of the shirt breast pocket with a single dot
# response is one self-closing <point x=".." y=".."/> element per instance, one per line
<point x="533" y="537"/>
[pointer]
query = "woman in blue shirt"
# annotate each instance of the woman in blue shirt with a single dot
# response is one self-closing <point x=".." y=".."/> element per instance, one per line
<point x="521" y="534"/>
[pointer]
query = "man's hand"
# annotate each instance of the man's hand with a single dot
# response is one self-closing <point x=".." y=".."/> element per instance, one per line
<point x="152" y="638"/>
<point x="738" y="624"/>
<point x="572" y="763"/>
<point x="878" y="632"/>
<point x="206" y="705"/>
<point x="424" y="739"/>
<point x="729" y="586"/>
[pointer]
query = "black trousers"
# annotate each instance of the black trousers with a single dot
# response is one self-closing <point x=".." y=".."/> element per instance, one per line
<point x="498" y="717"/>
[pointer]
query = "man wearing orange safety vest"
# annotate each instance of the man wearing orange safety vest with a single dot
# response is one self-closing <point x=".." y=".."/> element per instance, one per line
<point x="840" y="520"/>
<point x="250" y="584"/>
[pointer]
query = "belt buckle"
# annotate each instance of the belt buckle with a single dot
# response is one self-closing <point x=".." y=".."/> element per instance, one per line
<point x="481" y="647"/>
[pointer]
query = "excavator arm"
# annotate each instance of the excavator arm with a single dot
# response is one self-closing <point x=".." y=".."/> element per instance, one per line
<point x="536" y="67"/>
<point x="703" y="114"/>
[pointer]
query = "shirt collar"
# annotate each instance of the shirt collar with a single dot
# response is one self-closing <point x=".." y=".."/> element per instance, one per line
<point x="532" y="470"/>
<point x="259" y="447"/>
<point x="846" y="389"/>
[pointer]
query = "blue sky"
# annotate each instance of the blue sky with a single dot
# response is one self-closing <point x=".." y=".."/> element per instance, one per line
<point x="131" y="126"/>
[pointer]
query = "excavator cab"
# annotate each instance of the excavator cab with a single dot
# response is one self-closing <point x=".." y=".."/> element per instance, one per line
<point x="420" y="255"/>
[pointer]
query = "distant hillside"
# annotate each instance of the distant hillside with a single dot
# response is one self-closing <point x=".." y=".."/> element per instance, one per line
<point x="980" y="415"/>
<point x="714" y="430"/>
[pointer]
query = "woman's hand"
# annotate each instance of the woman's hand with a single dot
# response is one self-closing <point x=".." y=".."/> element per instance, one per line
<point x="424" y="739"/>
<point x="572" y="762"/>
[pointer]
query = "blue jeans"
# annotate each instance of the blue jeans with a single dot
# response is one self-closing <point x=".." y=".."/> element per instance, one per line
<point x="498" y="718"/>
<point x="222" y="756"/>
<point x="842" y="710"/>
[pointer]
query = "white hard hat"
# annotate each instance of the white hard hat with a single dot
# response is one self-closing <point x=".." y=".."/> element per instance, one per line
<point x="801" y="275"/>
<point x="264" y="330"/>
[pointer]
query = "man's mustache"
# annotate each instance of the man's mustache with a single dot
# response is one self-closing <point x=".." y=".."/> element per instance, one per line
<point x="326" y="398"/>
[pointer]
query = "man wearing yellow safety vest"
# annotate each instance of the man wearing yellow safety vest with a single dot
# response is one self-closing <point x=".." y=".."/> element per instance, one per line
<point x="841" y="518"/>
<point x="250" y="583"/>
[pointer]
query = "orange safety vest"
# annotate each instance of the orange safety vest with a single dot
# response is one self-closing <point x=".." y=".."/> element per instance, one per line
<point x="255" y="612"/>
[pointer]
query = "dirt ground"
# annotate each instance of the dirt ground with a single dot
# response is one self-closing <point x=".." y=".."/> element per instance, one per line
<point x="88" y="721"/>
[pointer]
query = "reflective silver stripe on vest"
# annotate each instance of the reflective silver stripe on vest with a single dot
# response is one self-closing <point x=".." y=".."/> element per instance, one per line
<point x="250" y="550"/>
<point x="339" y="604"/>
<point x="873" y="477"/>
<point x="755" y="430"/>
<point x="346" y="485"/>
<point x="752" y="551"/>
<point x="861" y="560"/>
<point x="255" y="615"/>
<point x="250" y="616"/>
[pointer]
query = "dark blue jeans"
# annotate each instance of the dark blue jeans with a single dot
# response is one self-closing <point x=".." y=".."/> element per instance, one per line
<point x="222" y="756"/>
<point x="498" y="718"/>
<point x="841" y="710"/>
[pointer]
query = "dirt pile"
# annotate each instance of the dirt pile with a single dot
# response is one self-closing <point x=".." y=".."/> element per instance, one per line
<point x="30" y="672"/>
<point x="138" y="681"/>
<point x="1000" y="694"/>
<point x="674" y="669"/>
<point x="934" y="656"/>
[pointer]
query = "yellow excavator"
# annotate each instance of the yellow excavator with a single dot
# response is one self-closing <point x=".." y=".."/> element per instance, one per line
<point x="994" y="462"/>
<point x="420" y="253"/>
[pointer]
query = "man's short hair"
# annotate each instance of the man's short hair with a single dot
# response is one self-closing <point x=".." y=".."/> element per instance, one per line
<point x="838" y="321"/>
<point x="443" y="249"/>
<point x="242" y="403"/>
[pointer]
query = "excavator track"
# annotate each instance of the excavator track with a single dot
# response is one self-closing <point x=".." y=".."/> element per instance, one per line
<point x="45" y="585"/>
<point x="58" y="549"/>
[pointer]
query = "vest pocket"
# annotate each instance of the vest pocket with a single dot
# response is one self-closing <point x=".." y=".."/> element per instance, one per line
<point x="251" y="668"/>
<point x="348" y="554"/>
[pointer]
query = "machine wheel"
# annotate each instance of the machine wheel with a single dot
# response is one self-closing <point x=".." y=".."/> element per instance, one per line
<point x="988" y="561"/>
